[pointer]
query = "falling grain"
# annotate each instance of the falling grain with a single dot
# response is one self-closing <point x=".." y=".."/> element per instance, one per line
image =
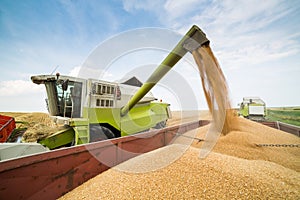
<point x="216" y="93"/>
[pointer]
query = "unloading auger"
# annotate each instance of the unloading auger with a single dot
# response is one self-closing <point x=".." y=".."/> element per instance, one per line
<point x="191" y="41"/>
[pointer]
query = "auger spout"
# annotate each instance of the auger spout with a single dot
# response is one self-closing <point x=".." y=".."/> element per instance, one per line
<point x="191" y="41"/>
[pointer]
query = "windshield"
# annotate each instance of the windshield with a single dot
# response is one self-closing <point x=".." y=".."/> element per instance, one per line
<point x="64" y="98"/>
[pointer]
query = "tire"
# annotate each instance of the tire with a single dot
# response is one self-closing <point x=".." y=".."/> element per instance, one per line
<point x="161" y="125"/>
<point x="99" y="133"/>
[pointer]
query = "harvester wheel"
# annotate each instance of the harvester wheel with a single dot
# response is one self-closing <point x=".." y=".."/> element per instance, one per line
<point x="98" y="133"/>
<point x="161" y="124"/>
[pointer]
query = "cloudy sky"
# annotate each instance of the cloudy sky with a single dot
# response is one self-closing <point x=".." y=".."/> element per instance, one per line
<point x="257" y="43"/>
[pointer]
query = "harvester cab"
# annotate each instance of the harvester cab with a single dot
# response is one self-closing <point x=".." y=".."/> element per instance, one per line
<point x="96" y="109"/>
<point x="65" y="94"/>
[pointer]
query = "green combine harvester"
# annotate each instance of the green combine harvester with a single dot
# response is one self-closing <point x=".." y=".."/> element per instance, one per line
<point x="253" y="108"/>
<point x="93" y="110"/>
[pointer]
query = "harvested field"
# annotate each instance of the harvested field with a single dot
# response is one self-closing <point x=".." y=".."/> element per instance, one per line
<point x="236" y="169"/>
<point x="37" y="125"/>
<point x="27" y="120"/>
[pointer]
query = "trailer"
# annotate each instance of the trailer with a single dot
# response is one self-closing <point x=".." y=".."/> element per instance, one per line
<point x="7" y="126"/>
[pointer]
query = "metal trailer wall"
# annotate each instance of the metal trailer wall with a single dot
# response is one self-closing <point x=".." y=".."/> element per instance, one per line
<point x="289" y="128"/>
<point x="52" y="174"/>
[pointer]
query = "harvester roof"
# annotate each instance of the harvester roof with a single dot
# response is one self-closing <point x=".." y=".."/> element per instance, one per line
<point x="256" y="100"/>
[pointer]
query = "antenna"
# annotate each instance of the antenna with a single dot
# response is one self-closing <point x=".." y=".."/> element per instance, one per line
<point x="54" y="70"/>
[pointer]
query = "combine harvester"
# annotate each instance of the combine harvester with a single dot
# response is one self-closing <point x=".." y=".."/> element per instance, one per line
<point x="93" y="110"/>
<point x="253" y="108"/>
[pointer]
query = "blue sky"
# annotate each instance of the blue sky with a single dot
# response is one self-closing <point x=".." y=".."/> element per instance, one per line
<point x="256" y="42"/>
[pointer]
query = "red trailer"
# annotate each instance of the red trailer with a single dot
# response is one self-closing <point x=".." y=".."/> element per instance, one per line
<point x="7" y="126"/>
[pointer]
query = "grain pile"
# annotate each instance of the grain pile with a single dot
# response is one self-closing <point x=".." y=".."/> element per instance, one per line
<point x="242" y="143"/>
<point x="236" y="169"/>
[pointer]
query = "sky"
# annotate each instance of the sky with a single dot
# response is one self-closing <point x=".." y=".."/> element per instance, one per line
<point x="257" y="44"/>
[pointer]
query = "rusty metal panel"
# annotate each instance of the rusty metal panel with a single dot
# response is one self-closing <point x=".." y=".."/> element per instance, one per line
<point x="50" y="177"/>
<point x="143" y="145"/>
<point x="270" y="124"/>
<point x="7" y="126"/>
<point x="295" y="130"/>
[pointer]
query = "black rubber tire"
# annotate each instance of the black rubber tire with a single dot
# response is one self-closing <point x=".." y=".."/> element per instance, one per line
<point x="99" y="133"/>
<point x="161" y="125"/>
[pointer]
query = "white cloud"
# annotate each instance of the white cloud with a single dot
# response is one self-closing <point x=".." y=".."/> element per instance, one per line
<point x="241" y="32"/>
<point x="19" y="88"/>
<point x="234" y="11"/>
<point x="74" y="71"/>
<point x="246" y="36"/>
<point x="255" y="49"/>
<point x="149" y="5"/>
<point x="179" y="8"/>
<point x="87" y="72"/>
